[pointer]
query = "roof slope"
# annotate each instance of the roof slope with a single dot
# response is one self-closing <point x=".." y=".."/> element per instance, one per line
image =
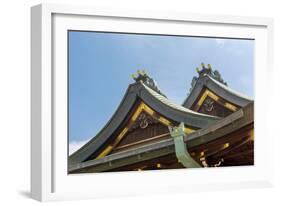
<point x="231" y="123"/>
<point x="219" y="88"/>
<point x="157" y="101"/>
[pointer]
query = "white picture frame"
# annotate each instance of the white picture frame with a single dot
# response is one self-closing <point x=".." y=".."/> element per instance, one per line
<point x="49" y="179"/>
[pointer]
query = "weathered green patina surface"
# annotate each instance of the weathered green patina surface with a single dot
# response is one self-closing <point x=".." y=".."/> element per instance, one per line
<point x="222" y="127"/>
<point x="182" y="154"/>
<point x="211" y="79"/>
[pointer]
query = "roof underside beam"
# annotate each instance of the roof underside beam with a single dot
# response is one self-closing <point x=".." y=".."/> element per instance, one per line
<point x="124" y="158"/>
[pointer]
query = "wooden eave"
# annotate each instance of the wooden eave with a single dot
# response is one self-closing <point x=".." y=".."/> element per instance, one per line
<point x="229" y="124"/>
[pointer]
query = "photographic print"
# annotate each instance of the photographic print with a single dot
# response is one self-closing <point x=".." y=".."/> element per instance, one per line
<point x="141" y="102"/>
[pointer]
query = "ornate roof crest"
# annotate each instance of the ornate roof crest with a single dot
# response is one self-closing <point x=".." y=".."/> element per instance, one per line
<point x="207" y="71"/>
<point x="143" y="77"/>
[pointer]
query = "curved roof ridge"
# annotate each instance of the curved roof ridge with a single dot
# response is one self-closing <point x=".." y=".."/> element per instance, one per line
<point x="231" y="90"/>
<point x="222" y="90"/>
<point x="172" y="104"/>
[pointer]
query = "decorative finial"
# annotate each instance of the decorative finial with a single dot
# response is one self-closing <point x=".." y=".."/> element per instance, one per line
<point x="202" y="65"/>
<point x="144" y="78"/>
<point x="133" y="76"/>
<point x="204" y="72"/>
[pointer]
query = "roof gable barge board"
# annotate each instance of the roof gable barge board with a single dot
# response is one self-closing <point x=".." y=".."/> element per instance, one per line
<point x="157" y="102"/>
<point x="220" y="89"/>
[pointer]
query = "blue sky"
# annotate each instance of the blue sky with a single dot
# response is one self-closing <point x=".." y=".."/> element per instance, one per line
<point x="101" y="66"/>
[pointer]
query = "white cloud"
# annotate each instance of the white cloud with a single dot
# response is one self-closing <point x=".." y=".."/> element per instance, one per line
<point x="75" y="145"/>
<point x="220" y="42"/>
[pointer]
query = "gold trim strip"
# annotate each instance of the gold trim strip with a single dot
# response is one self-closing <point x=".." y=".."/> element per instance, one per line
<point x="230" y="106"/>
<point x="148" y="110"/>
<point x="105" y="152"/>
<point x="252" y="135"/>
<point x="141" y="107"/>
<point x="188" y="130"/>
<point x="218" y="99"/>
<point x="164" y="121"/>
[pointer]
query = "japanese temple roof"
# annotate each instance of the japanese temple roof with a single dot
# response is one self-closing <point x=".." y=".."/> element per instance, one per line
<point x="171" y="104"/>
<point x="212" y="80"/>
<point x="231" y="123"/>
<point x="154" y="98"/>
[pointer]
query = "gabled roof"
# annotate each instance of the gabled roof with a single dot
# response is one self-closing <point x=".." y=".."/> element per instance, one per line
<point x="225" y="126"/>
<point x="207" y="79"/>
<point x="157" y="101"/>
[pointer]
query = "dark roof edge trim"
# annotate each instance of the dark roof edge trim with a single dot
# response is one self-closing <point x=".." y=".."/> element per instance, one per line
<point x="220" y="89"/>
